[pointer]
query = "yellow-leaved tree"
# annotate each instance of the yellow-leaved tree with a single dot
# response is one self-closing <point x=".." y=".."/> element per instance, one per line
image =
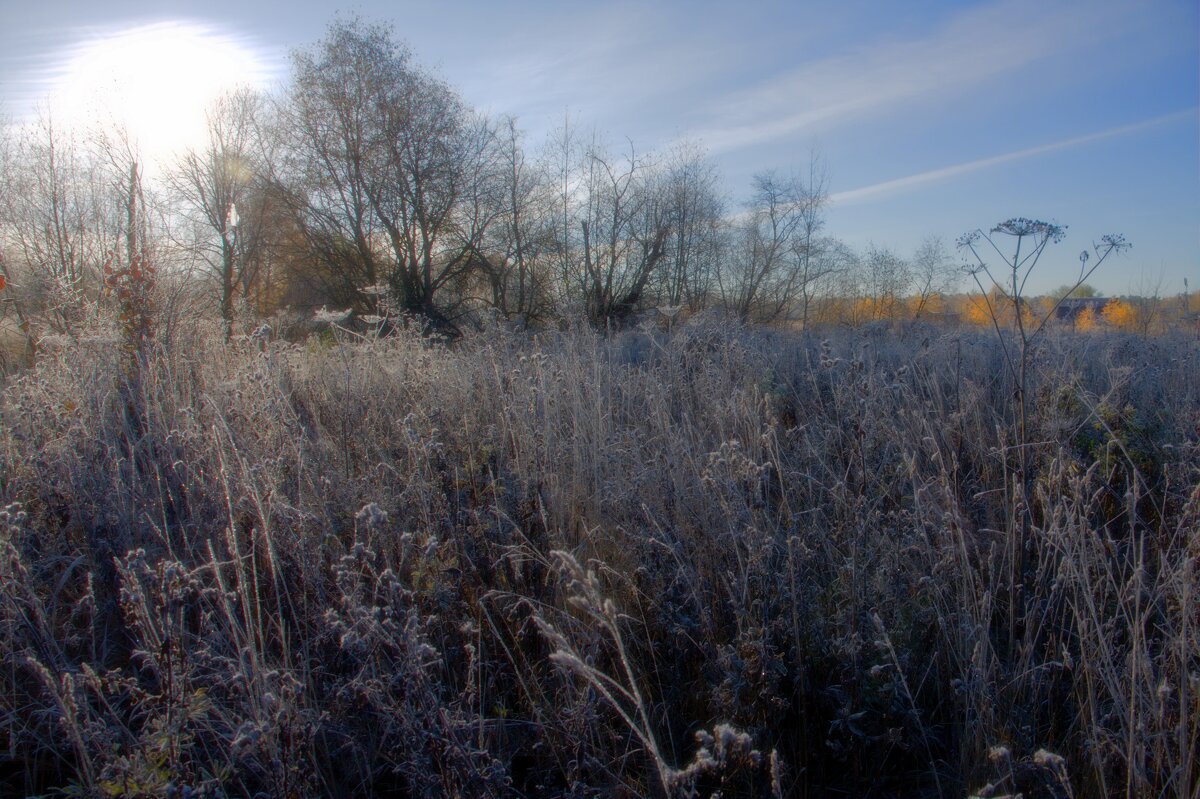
<point x="1087" y="321"/>
<point x="998" y="307"/>
<point x="1120" y="315"/>
<point x="976" y="311"/>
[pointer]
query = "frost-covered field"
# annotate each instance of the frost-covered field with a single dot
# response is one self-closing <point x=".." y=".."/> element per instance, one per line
<point x="717" y="559"/>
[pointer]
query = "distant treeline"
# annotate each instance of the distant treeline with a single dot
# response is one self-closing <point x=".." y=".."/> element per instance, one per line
<point x="369" y="185"/>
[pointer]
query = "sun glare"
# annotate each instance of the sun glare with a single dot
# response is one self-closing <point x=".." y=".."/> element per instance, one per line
<point x="154" y="81"/>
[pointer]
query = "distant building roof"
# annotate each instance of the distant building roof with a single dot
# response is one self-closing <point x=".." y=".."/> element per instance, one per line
<point x="1071" y="307"/>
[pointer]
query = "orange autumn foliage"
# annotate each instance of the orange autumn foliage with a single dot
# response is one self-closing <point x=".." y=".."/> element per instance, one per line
<point x="1086" y="321"/>
<point x="870" y="309"/>
<point x="979" y="310"/>
<point x="1120" y="315"/>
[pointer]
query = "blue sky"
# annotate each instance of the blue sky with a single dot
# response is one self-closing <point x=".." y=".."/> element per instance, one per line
<point x="932" y="117"/>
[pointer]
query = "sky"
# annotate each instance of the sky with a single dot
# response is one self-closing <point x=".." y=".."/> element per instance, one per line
<point x="931" y="117"/>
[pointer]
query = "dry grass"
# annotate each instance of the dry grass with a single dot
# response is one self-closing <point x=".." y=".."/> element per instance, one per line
<point x="720" y="560"/>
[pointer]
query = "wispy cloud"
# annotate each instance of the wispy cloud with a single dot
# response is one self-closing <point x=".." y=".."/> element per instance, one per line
<point x="974" y="46"/>
<point x="900" y="185"/>
<point x="611" y="64"/>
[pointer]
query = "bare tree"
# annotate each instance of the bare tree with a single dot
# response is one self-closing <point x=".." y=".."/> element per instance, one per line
<point x="695" y="243"/>
<point x="61" y="223"/>
<point x="512" y="204"/>
<point x="625" y="223"/>
<point x="831" y="282"/>
<point x="561" y="164"/>
<point x="10" y="300"/>
<point x="434" y="151"/>
<point x="932" y="274"/>
<point x="773" y="241"/>
<point x="326" y="166"/>
<point x="217" y="185"/>
<point x="886" y="278"/>
<point x="385" y="156"/>
<point x="613" y="216"/>
<point x="1145" y="295"/>
<point x="818" y="259"/>
<point x="807" y="247"/>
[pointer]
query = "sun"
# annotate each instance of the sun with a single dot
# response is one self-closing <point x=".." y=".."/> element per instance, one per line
<point x="154" y="82"/>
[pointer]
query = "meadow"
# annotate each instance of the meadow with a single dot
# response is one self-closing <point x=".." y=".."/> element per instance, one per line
<point x="709" y="560"/>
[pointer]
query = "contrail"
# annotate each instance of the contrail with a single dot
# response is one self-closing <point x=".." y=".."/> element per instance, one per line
<point x="912" y="181"/>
